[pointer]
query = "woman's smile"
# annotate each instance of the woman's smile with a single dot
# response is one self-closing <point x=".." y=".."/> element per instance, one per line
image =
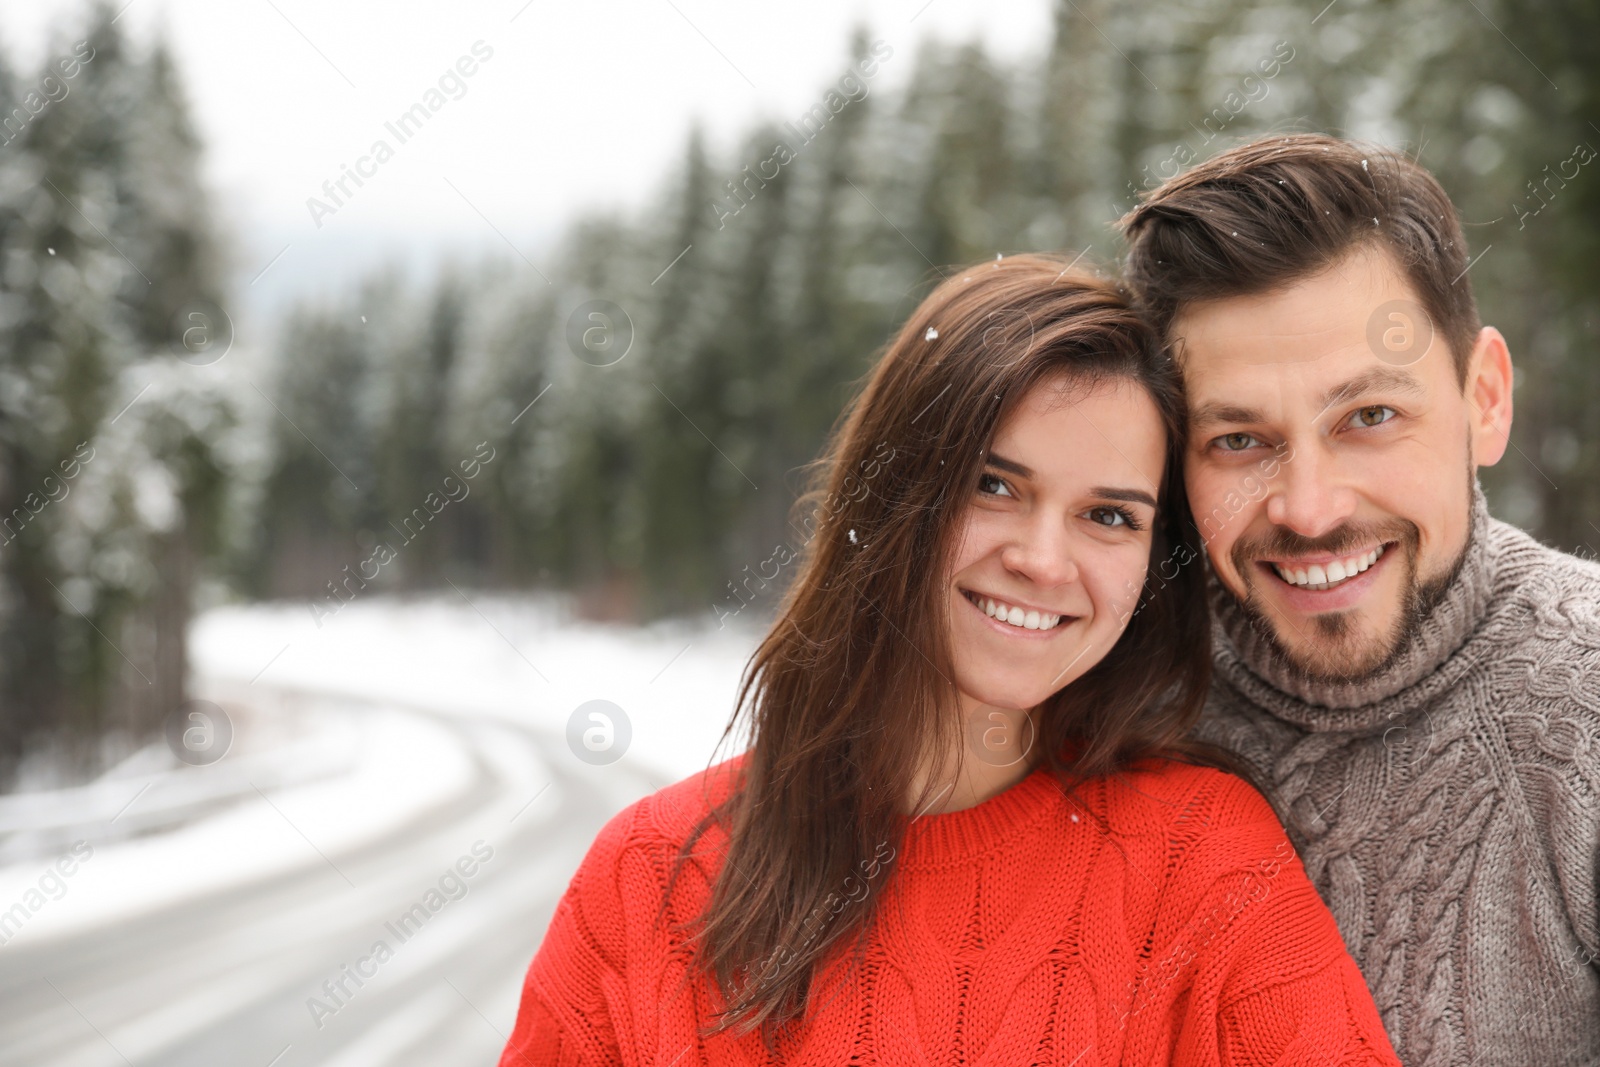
<point x="1016" y="619"/>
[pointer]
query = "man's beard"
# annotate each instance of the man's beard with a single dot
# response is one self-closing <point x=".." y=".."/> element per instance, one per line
<point x="1324" y="656"/>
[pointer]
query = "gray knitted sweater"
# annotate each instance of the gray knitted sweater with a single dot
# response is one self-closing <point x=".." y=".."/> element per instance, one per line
<point x="1449" y="810"/>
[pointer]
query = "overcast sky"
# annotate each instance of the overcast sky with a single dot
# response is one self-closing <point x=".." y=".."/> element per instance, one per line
<point x="580" y="105"/>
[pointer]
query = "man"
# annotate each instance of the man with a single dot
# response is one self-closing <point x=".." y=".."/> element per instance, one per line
<point x="1419" y="683"/>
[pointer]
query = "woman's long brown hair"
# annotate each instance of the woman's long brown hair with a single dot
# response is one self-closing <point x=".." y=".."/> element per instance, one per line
<point x="850" y="692"/>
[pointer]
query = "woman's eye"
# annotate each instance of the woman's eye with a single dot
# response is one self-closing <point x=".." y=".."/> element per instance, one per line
<point x="1236" y="442"/>
<point x="992" y="485"/>
<point x="1372" y="415"/>
<point x="1106" y="516"/>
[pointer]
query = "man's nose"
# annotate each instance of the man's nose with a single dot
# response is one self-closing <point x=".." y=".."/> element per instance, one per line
<point x="1310" y="496"/>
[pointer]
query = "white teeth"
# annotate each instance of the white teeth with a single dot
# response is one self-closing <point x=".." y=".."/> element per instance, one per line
<point x="1324" y="576"/>
<point x="1025" y="620"/>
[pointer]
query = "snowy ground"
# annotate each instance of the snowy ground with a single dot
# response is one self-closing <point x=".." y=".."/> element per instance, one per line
<point x="375" y="774"/>
<point x="205" y="906"/>
<point x="346" y="776"/>
<point x="526" y="660"/>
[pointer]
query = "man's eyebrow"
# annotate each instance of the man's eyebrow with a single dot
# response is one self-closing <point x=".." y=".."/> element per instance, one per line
<point x="1132" y="496"/>
<point x="1390" y="379"/>
<point x="1378" y="378"/>
<point x="1010" y="466"/>
<point x="1219" y="411"/>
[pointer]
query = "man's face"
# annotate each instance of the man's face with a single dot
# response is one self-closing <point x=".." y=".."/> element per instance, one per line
<point x="1331" y="457"/>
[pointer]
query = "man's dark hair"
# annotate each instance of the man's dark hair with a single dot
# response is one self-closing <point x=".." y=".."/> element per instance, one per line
<point x="1268" y="213"/>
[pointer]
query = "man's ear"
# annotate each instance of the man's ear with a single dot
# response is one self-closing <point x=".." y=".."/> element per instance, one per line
<point x="1488" y="391"/>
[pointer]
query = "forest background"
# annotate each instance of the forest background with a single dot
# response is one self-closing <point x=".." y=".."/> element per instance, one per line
<point x="625" y="417"/>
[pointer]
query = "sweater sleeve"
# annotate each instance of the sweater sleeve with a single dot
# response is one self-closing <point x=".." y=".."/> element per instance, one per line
<point x="1272" y="983"/>
<point x="1293" y="995"/>
<point x="574" y="996"/>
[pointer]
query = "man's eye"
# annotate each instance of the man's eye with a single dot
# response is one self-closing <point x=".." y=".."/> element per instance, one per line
<point x="1372" y="415"/>
<point x="992" y="485"/>
<point x="1236" y="442"/>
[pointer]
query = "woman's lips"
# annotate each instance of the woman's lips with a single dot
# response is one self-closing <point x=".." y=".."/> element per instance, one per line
<point x="1015" y="619"/>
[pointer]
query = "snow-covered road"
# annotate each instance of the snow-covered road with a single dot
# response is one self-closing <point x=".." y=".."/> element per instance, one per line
<point x="363" y="879"/>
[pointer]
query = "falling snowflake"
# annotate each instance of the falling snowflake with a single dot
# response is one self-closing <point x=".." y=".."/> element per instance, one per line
<point x="931" y="335"/>
<point x="51" y="251"/>
<point x="853" y="537"/>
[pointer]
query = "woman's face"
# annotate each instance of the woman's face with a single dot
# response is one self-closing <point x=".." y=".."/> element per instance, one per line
<point x="1052" y="548"/>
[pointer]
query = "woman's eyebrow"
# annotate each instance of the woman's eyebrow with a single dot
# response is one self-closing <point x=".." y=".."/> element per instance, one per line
<point x="1010" y="466"/>
<point x="1108" y="492"/>
<point x="1132" y="496"/>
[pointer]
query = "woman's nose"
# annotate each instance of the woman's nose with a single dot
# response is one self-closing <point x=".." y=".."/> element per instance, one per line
<point x="1041" y="551"/>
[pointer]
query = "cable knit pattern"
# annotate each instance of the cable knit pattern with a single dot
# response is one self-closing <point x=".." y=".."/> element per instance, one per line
<point x="1159" y="918"/>
<point x="1448" y="810"/>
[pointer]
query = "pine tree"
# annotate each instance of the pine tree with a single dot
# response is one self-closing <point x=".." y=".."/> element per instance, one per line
<point x="508" y="348"/>
<point x="677" y="459"/>
<point x="113" y="479"/>
<point x="318" y="411"/>
<point x="64" y="350"/>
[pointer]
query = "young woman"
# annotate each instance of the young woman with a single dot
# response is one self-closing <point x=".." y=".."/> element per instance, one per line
<point x="967" y="828"/>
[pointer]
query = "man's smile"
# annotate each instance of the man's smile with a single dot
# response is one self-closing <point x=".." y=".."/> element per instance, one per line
<point x="1319" y="573"/>
<point x="1324" y="583"/>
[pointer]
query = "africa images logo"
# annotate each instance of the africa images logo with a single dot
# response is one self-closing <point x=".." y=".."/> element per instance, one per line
<point x="403" y="128"/>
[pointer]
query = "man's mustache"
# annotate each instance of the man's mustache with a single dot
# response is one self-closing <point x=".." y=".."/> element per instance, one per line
<point x="1284" y="543"/>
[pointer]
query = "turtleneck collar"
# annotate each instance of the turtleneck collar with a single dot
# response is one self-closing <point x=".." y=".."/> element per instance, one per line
<point x="1247" y="661"/>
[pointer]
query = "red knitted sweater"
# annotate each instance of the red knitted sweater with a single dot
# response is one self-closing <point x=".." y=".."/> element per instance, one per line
<point x="1157" y="918"/>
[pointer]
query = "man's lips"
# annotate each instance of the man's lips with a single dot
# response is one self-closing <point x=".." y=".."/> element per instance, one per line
<point x="1326" y="571"/>
<point x="1327" y="583"/>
